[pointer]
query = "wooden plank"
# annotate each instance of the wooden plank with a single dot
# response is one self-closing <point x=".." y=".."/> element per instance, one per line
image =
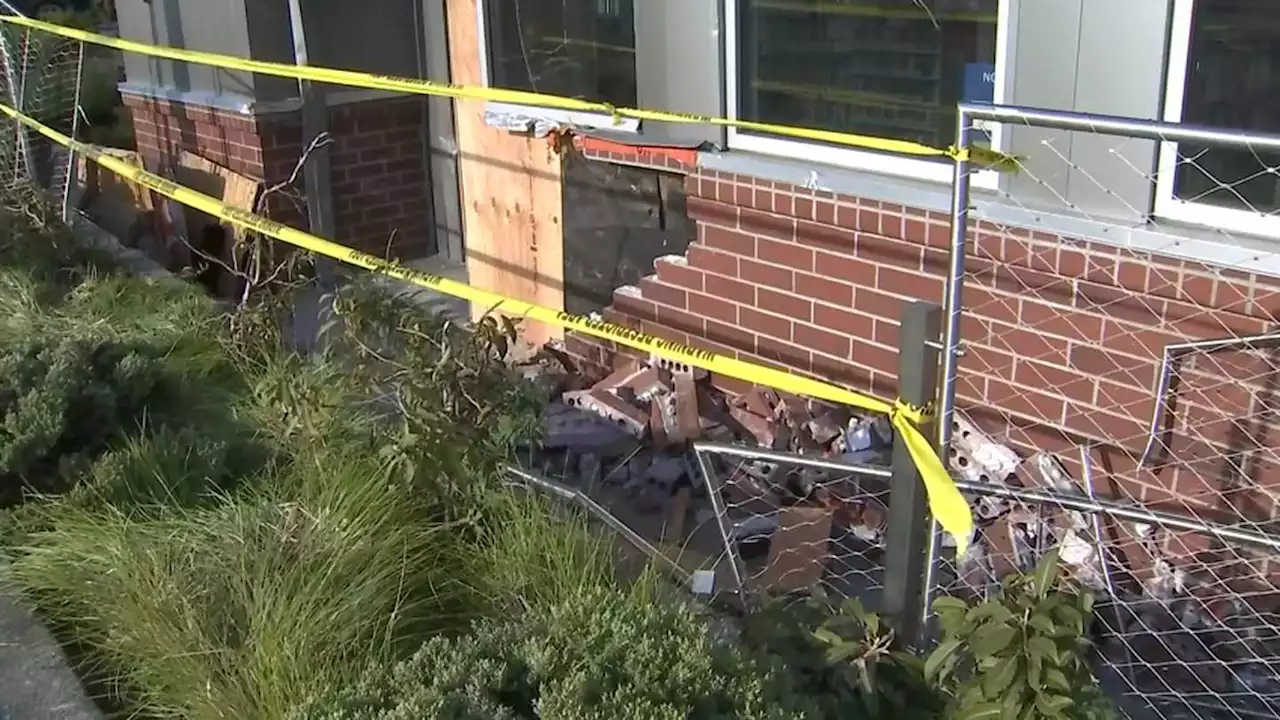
<point x="511" y="193"/>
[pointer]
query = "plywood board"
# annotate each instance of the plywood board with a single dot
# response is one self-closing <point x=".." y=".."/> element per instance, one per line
<point x="511" y="193"/>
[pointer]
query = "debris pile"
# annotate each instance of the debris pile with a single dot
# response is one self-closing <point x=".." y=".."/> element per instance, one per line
<point x="1165" y="619"/>
<point x="630" y="436"/>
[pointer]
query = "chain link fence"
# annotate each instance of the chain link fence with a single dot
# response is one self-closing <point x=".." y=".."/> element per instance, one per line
<point x="1119" y="362"/>
<point x="41" y="77"/>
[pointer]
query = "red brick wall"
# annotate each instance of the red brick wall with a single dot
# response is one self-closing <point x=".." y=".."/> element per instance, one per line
<point x="1063" y="338"/>
<point x="379" y="173"/>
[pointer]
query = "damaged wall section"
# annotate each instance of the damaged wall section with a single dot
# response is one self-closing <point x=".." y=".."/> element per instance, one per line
<point x="618" y="219"/>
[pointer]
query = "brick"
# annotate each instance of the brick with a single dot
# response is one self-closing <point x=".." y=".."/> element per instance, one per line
<point x="768" y="275"/>
<point x="985" y="360"/>
<point x="730" y="289"/>
<point x="734" y="336"/>
<point x="846" y="269"/>
<point x="782" y="354"/>
<point x="712" y="307"/>
<point x="726" y="240"/>
<point x="876" y="304"/>
<point x="846" y="322"/>
<point x="764" y="324"/>
<point x="908" y="284"/>
<point x="822" y="341"/>
<point x="685" y="323"/>
<point x="678" y="274"/>
<point x="1065" y="322"/>
<point x="824" y="289"/>
<point x="708" y="211"/>
<point x="1028" y="344"/>
<point x="661" y="293"/>
<point x="783" y="253"/>
<point x="1056" y="379"/>
<point x="992" y="304"/>
<point x="826" y="237"/>
<point x="1119" y="304"/>
<point x="704" y="258"/>
<point x="791" y="306"/>
<point x="767" y="224"/>
<point x="1029" y="403"/>
<point x="889" y="251"/>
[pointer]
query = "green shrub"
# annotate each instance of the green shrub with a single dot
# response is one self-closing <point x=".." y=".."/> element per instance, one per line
<point x="603" y="655"/>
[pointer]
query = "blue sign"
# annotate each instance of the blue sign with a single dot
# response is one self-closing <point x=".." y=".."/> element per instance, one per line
<point x="979" y="82"/>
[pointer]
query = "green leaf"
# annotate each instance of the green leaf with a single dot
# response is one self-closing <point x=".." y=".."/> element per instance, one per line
<point x="1043" y="623"/>
<point x="991" y="639"/>
<point x="1046" y="573"/>
<point x="1013" y="706"/>
<point x="1052" y="705"/>
<point x="938" y="659"/>
<point x="1034" y="668"/>
<point x="989" y="610"/>
<point x="946" y="602"/>
<point x="1054" y="678"/>
<point x="1043" y="649"/>
<point x="1000" y="678"/>
<point x="1070" y="617"/>
<point x="981" y="711"/>
<point x="1086" y="602"/>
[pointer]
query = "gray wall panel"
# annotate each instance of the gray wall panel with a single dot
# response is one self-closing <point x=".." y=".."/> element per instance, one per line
<point x="680" y="65"/>
<point x="1120" y="71"/>
<point x="1045" y="49"/>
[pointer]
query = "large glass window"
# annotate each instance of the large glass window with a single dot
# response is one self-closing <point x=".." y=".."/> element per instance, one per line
<point x="888" y="68"/>
<point x="576" y="48"/>
<point x="1232" y="80"/>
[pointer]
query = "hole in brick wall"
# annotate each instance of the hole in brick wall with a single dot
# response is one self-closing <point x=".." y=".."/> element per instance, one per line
<point x="617" y="221"/>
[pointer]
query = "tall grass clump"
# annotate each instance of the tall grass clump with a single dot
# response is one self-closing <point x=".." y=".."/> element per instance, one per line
<point x="242" y="608"/>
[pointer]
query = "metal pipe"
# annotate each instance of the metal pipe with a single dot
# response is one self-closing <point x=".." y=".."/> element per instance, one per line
<point x="1169" y="355"/>
<point x="70" y="176"/>
<point x="756" y="453"/>
<point x="601" y="513"/>
<point x="317" y="171"/>
<point x="1081" y="503"/>
<point x="722" y="515"/>
<point x="1127" y="127"/>
<point x="953" y="304"/>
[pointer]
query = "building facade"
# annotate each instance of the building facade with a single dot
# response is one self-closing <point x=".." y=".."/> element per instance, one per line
<point x="1084" y="266"/>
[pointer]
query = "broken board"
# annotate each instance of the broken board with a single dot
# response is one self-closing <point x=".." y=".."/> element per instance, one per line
<point x="234" y="190"/>
<point x="798" y="552"/>
<point x="511" y="193"/>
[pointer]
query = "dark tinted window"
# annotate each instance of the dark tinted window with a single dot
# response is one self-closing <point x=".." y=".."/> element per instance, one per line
<point x="575" y="48"/>
<point x="888" y="68"/>
<point x="1233" y="81"/>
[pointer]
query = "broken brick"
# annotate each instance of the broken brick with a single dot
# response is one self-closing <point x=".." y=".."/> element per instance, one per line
<point x="607" y="405"/>
<point x="688" y="421"/>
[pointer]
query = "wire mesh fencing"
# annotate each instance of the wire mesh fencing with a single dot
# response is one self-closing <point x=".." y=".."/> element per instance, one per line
<point x="1123" y="355"/>
<point x="41" y="78"/>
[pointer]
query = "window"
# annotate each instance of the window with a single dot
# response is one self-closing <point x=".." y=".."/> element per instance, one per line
<point x="886" y="68"/>
<point x="576" y="48"/>
<point x="1224" y="71"/>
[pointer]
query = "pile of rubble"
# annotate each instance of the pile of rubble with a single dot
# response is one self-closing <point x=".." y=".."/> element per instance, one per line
<point x="630" y="435"/>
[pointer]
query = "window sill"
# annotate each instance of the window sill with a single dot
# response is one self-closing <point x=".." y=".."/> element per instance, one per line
<point x="539" y="120"/>
<point x="1245" y="253"/>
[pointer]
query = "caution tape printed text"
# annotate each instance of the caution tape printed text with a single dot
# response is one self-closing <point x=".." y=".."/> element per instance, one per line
<point x="945" y="501"/>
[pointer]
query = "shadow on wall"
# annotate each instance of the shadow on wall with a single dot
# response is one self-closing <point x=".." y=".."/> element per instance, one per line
<point x="617" y="220"/>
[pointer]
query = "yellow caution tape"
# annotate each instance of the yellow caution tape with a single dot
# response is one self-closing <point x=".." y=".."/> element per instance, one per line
<point x="945" y="501"/>
<point x="984" y="157"/>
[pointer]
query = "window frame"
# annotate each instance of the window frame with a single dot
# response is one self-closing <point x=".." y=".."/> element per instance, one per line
<point x="866" y="160"/>
<point x="1167" y="205"/>
<point x="595" y="121"/>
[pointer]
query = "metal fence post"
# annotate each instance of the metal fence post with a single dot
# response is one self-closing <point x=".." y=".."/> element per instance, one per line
<point x="908" y="526"/>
